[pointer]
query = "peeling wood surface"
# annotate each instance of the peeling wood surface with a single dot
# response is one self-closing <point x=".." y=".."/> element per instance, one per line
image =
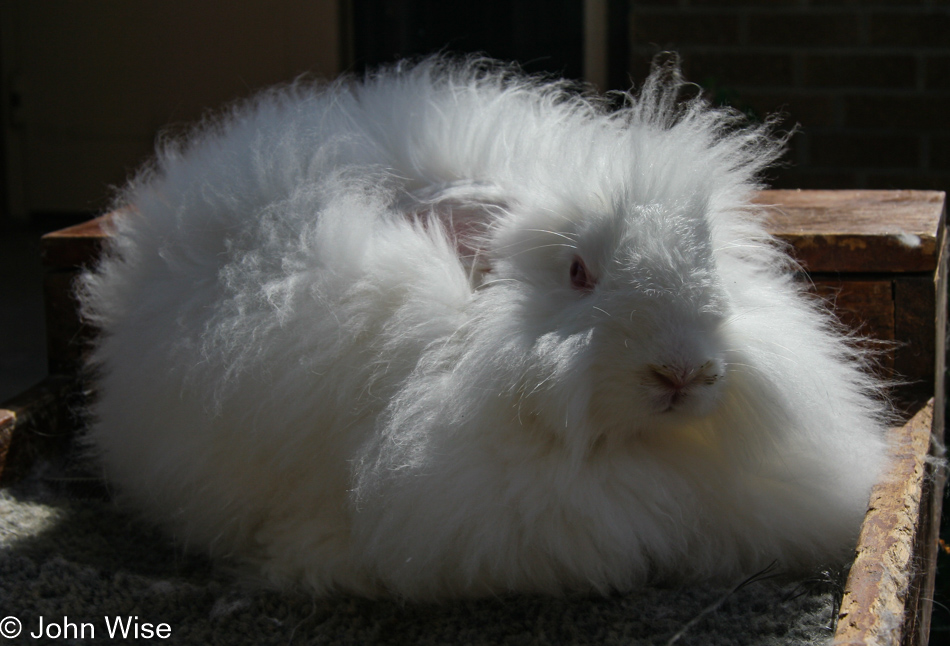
<point x="75" y="246"/>
<point x="915" y="317"/>
<point x="67" y="337"/>
<point x="872" y="610"/>
<point x="866" y="306"/>
<point x="866" y="212"/>
<point x="858" y="231"/>
<point x="854" y="231"/>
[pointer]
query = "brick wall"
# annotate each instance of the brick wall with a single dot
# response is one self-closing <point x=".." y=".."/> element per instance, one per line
<point x="867" y="81"/>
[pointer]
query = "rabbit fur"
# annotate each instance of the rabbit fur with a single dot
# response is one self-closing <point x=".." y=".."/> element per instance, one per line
<point x="454" y="331"/>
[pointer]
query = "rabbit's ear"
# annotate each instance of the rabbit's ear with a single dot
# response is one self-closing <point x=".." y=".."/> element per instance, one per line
<point x="467" y="210"/>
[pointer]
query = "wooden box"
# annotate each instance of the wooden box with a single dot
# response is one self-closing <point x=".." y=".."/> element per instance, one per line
<point x="873" y="254"/>
<point x="877" y="256"/>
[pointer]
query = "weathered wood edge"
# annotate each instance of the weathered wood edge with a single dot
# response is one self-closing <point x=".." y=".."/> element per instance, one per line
<point x="873" y="605"/>
<point x="917" y="623"/>
<point x="897" y="226"/>
<point x="898" y="229"/>
<point x="75" y="246"/>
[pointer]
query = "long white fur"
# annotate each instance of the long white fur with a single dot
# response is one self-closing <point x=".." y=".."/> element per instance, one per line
<point x="340" y="343"/>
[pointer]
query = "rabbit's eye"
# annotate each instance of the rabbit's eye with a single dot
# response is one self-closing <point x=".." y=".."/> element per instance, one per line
<point x="580" y="276"/>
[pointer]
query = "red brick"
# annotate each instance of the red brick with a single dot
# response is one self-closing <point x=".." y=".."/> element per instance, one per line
<point x="752" y="4"/>
<point x="794" y="153"/>
<point x="809" y="110"/>
<point x="842" y="71"/>
<point x="940" y="153"/>
<point x="864" y="4"/>
<point x="679" y="28"/>
<point x="721" y="69"/>
<point x="721" y="76"/>
<point x="931" y="28"/>
<point x="863" y="151"/>
<point x="805" y="29"/>
<point x="911" y="112"/>
<point x="638" y="65"/>
<point x="739" y="69"/>
<point x="687" y="5"/>
<point x="806" y="178"/>
<point x="923" y="181"/>
<point x="937" y="72"/>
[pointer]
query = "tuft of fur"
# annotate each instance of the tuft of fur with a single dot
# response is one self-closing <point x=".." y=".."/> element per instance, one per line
<point x="455" y="331"/>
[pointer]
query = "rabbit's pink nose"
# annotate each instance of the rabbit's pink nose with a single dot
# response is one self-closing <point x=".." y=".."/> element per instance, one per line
<point x="677" y="381"/>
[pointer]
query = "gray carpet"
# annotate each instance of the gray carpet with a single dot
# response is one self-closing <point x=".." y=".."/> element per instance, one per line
<point x="80" y="558"/>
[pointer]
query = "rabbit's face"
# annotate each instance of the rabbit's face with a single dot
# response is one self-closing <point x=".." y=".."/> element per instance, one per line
<point x="623" y="309"/>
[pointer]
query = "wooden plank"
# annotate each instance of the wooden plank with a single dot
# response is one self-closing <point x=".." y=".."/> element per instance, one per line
<point x="865" y="306"/>
<point x="918" y="624"/>
<point x="918" y="606"/>
<point x="914" y="359"/>
<point x="830" y="231"/>
<point x="75" y="246"/>
<point x="858" y="231"/>
<point x="833" y="233"/>
<point x="876" y="594"/>
<point x="66" y="336"/>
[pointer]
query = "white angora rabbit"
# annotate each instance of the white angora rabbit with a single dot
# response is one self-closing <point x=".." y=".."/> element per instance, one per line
<point x="454" y="331"/>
